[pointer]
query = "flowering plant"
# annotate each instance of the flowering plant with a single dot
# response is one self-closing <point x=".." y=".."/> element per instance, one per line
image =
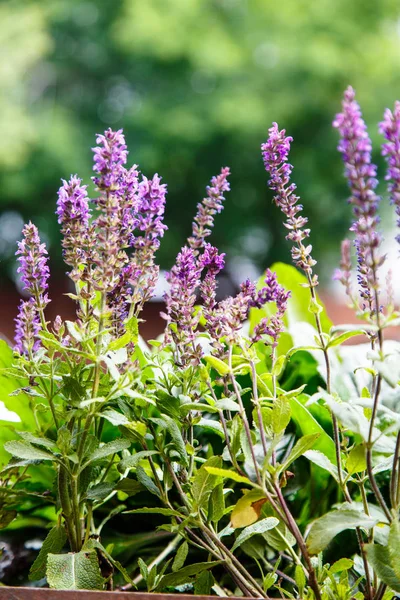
<point x="245" y="429"/>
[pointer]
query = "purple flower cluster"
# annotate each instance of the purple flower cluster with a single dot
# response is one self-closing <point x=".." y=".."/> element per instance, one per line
<point x="390" y="128"/>
<point x="109" y="157"/>
<point x="210" y="206"/>
<point x="73" y="215"/>
<point x="27" y="327"/>
<point x="33" y="269"/>
<point x="271" y="292"/>
<point x="184" y="279"/>
<point x="275" y="154"/>
<point x="355" y="147"/>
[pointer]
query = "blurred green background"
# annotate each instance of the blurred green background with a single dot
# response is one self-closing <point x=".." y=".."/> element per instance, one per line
<point x="195" y="84"/>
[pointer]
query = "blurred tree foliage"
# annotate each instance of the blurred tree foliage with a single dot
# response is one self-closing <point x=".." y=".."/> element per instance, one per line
<point x="195" y="84"/>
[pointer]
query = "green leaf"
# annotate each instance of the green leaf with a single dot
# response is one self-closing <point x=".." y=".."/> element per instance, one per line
<point x="148" y="483"/>
<point x="166" y="422"/>
<point x="319" y="459"/>
<point x="281" y="413"/>
<point x="217" y="364"/>
<point x="356" y="461"/>
<point x="131" y="335"/>
<point x="300" y="579"/>
<point x="228" y="474"/>
<point x="184" y="575"/>
<point x="259" y="527"/>
<point x="343" y="564"/>
<point x="79" y="571"/>
<point x="204" y="482"/>
<point x="340" y="339"/>
<point x="302" y="445"/>
<point x="180" y="556"/>
<point x="394" y="547"/>
<point x="211" y="425"/>
<point x="39" y="441"/>
<point x="100" y="491"/>
<point x="114" y="417"/>
<point x="324" y="529"/>
<point x="167" y="512"/>
<point x="131" y="462"/>
<point x="53" y="543"/>
<point x="26" y="450"/>
<point x="308" y="425"/>
<point x="131" y="487"/>
<point x="379" y="557"/>
<point x="227" y="404"/>
<point x="107" y="450"/>
<point x="216" y="505"/>
<point x="203" y="584"/>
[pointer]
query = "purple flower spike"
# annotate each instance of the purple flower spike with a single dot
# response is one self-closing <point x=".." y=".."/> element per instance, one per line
<point x="27" y="327"/>
<point x="32" y="256"/>
<point x="109" y="157"/>
<point x="212" y="260"/>
<point x="184" y="279"/>
<point x="150" y="212"/>
<point x="210" y="206"/>
<point x="390" y="128"/>
<point x="355" y="147"/>
<point x="275" y="154"/>
<point x="271" y="292"/>
<point x="73" y="214"/>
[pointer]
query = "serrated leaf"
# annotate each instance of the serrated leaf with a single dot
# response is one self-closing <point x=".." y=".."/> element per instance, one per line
<point x="324" y="529"/>
<point x="302" y="445"/>
<point x="259" y="527"/>
<point x="107" y="450"/>
<point x="227" y="474"/>
<point x="74" y="571"/>
<point x="33" y="439"/>
<point x="100" y="491"/>
<point x="53" y="543"/>
<point x="180" y="556"/>
<point x="217" y="364"/>
<point x="280" y="416"/>
<point x="131" y="462"/>
<point x="379" y="558"/>
<point x="25" y="450"/>
<point x="204" y="482"/>
<point x="184" y="575"/>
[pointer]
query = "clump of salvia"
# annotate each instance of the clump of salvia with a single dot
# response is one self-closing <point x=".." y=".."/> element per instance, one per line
<point x="210" y="426"/>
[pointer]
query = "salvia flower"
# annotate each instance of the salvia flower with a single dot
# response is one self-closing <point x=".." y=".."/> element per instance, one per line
<point x="275" y="154"/>
<point x="210" y="206"/>
<point x="355" y="147"/>
<point x="73" y="215"/>
<point x="27" y="327"/>
<point x="213" y="263"/>
<point x="390" y="128"/>
<point x="149" y="210"/>
<point x="109" y="157"/>
<point x="233" y="312"/>
<point x="272" y="291"/>
<point x="33" y="269"/>
<point x="184" y="280"/>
